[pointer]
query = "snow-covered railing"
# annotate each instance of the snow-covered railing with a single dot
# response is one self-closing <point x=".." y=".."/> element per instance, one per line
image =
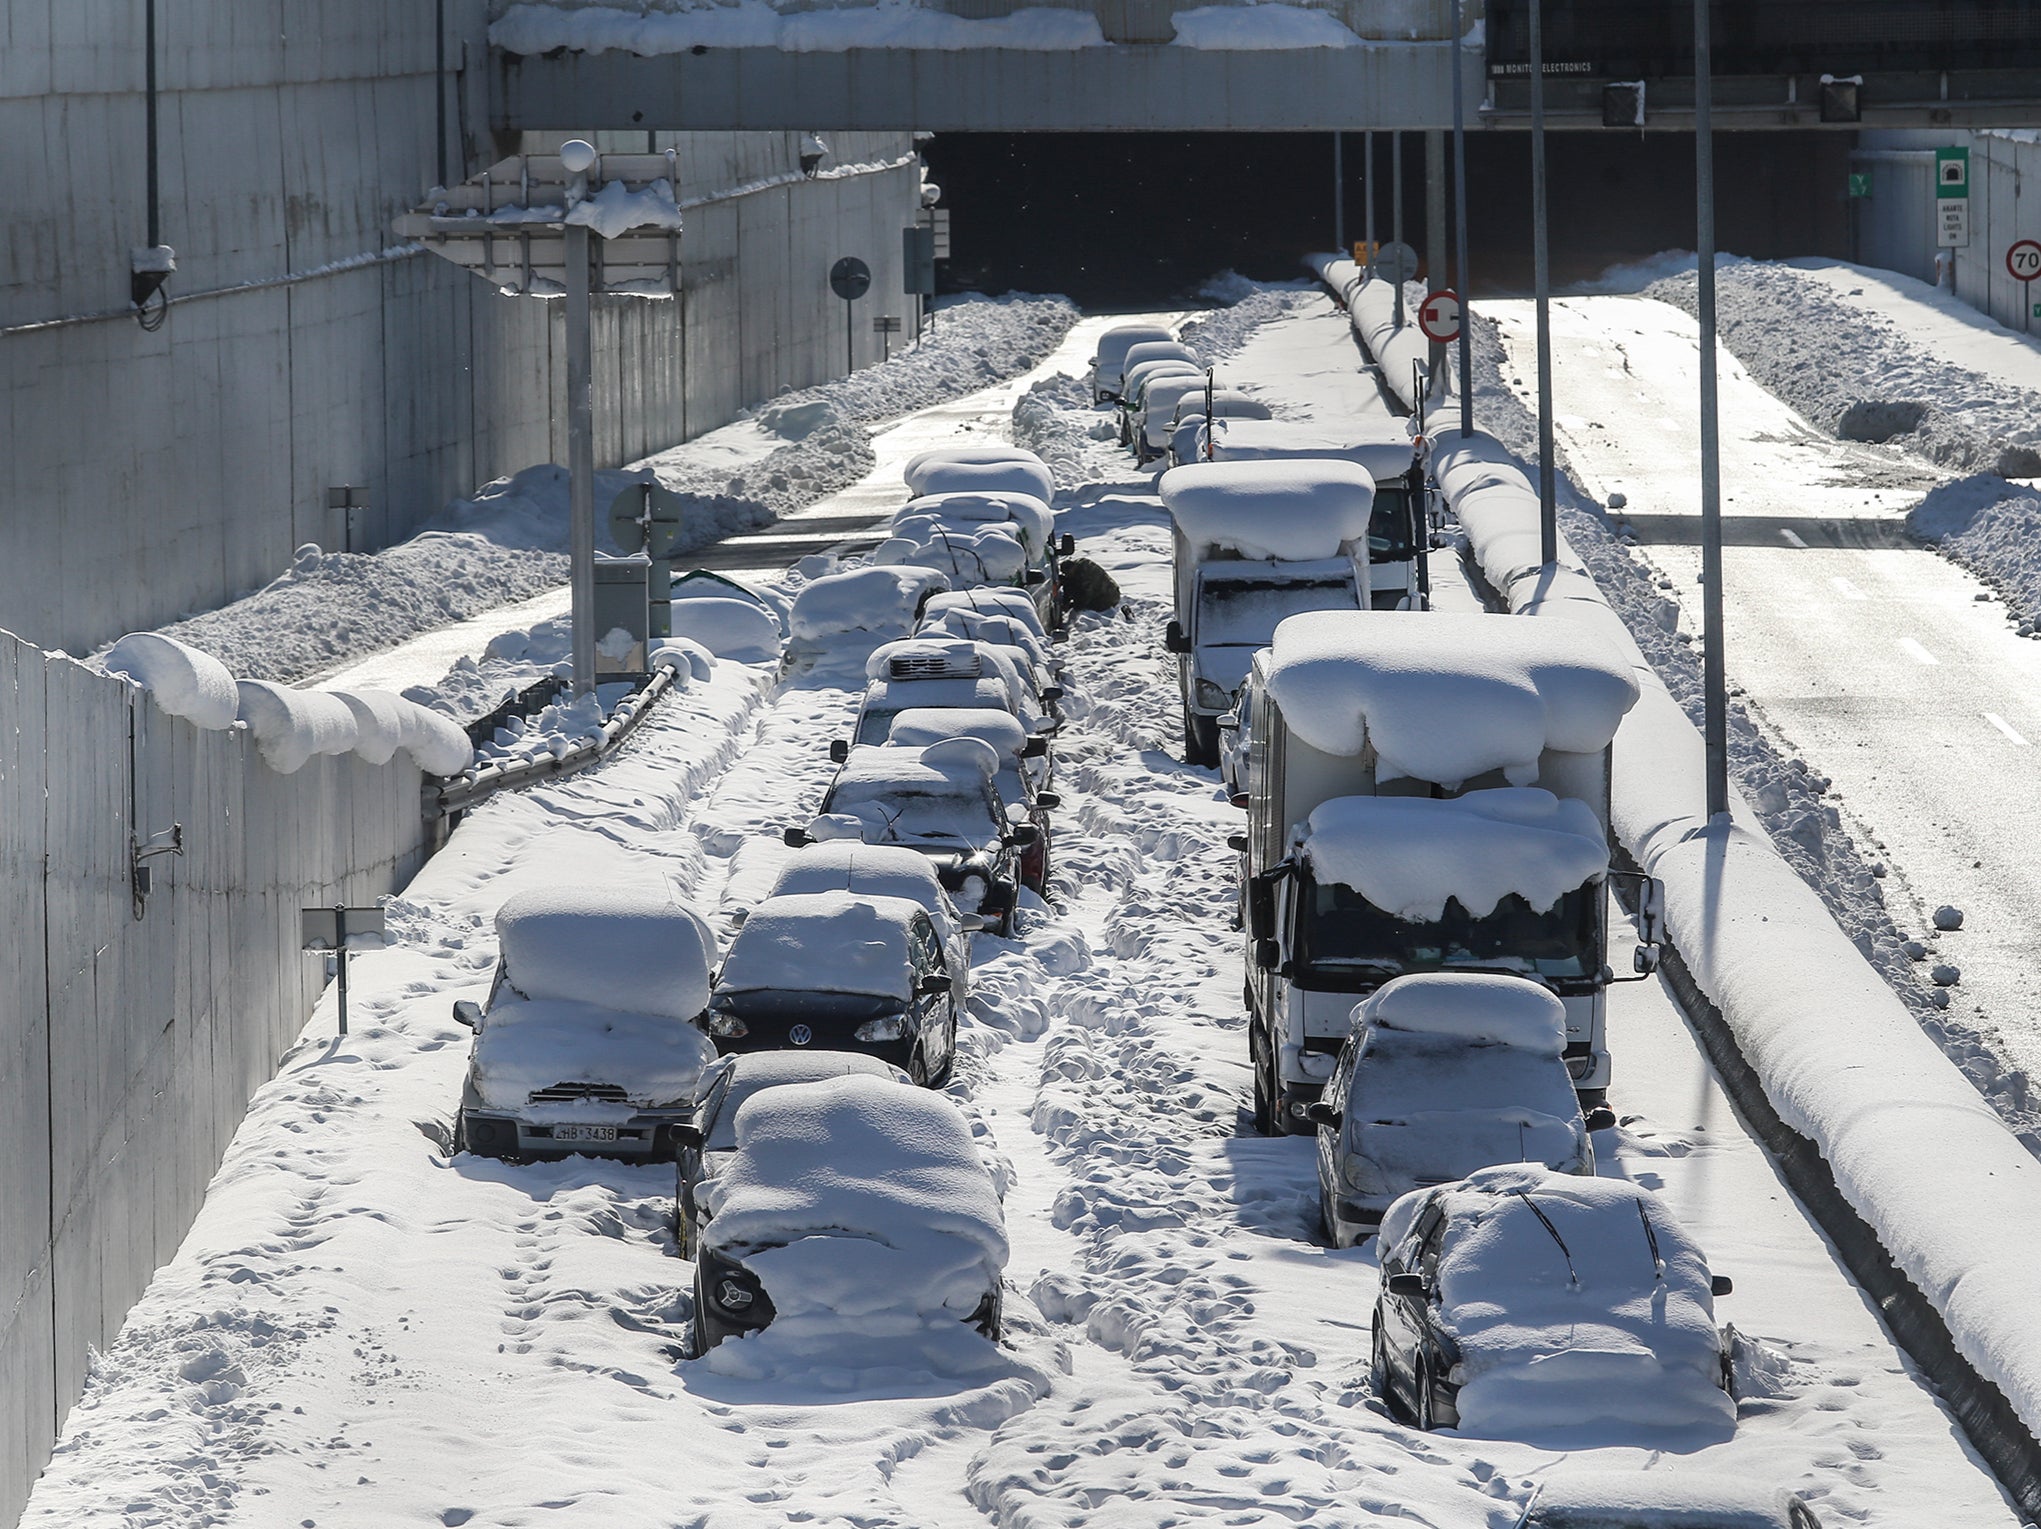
<point x="1953" y="1197"/>
<point x="1402" y="351"/>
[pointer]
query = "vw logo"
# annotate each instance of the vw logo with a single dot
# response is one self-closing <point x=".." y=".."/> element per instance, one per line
<point x="800" y="1035"/>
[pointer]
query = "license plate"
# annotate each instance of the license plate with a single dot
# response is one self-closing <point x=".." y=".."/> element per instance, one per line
<point x="584" y="1133"/>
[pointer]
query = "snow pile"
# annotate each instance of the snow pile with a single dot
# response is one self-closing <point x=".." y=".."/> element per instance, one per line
<point x="883" y="599"/>
<point x="1014" y="475"/>
<point x="737" y="630"/>
<point x="1274" y="440"/>
<point x="625" y="947"/>
<point x="978" y="454"/>
<point x="293" y="726"/>
<point x="527" y="1046"/>
<point x="1858" y="375"/>
<point x="1408" y="855"/>
<point x="1469" y="1006"/>
<point x="884" y="871"/>
<point x="1287" y="511"/>
<point x="532" y="29"/>
<point x="180" y="679"/>
<point x="920" y="726"/>
<point x="971" y="603"/>
<point x="1259" y="25"/>
<point x="1220" y="334"/>
<point x="1594" y="1338"/>
<point x="385" y="723"/>
<point x="865" y="1210"/>
<point x="1042" y="421"/>
<point x="1445" y="697"/>
<point x="1993" y="528"/>
<point x="823" y="942"/>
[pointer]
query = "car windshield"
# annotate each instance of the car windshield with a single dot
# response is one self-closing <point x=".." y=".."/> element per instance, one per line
<point x="1244" y="613"/>
<point x="1391" y="536"/>
<point x="917" y="814"/>
<point x="1347" y="944"/>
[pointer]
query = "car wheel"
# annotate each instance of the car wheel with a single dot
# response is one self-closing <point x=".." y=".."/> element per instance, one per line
<point x="940" y="1078"/>
<point x="1378" y="1366"/>
<point x="1264" y="1104"/>
<point x="698" y="1329"/>
<point x="1200" y="739"/>
<point x="1328" y="1226"/>
<point x="1421" y="1403"/>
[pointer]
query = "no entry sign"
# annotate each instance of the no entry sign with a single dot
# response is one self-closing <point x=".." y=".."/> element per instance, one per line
<point x="1439" y="317"/>
<point x="2023" y="259"/>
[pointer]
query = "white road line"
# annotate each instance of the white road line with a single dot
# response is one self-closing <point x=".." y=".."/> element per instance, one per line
<point x="1848" y="590"/>
<point x="1916" y="652"/>
<point x="2005" y="727"/>
<point x="1792" y="538"/>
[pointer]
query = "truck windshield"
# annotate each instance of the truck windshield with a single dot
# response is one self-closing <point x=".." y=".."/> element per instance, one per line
<point x="1391" y="535"/>
<point x="1346" y="943"/>
<point x="1244" y="613"/>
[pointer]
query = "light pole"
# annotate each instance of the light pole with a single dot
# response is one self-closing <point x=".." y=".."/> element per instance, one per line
<point x="1548" y="494"/>
<point x="1466" y="284"/>
<point x="1714" y="673"/>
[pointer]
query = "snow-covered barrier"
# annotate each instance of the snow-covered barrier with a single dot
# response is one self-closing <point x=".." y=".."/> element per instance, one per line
<point x="1914" y="1150"/>
<point x="1402" y="351"/>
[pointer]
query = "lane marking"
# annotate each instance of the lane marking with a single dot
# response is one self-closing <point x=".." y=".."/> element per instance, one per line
<point x="1847" y="589"/>
<point x="2005" y="727"/>
<point x="1916" y="652"/>
<point x="1792" y="538"/>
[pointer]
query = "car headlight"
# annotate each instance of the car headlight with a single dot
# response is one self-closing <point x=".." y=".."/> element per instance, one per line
<point x="891" y="1028"/>
<point x="1360" y="1173"/>
<point x="1212" y="697"/>
<point x="727" y="1025"/>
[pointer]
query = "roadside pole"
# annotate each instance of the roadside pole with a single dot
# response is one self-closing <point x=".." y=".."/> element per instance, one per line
<point x="580" y="460"/>
<point x="1435" y="236"/>
<point x="1714" y="672"/>
<point x="1464" y="285"/>
<point x="1339" y="191"/>
<point x="1548" y="492"/>
<point x="1396" y="206"/>
<point x="1368" y="186"/>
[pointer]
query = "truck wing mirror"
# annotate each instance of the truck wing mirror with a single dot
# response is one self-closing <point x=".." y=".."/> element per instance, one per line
<point x="1230" y="719"/>
<point x="1035" y="576"/>
<point x="1237" y="843"/>
<point x="933" y="984"/>
<point x="1238" y="799"/>
<point x="468" y="1013"/>
<point x="1268" y="954"/>
<point x="1601" y="1118"/>
<point x="1411" y="1285"/>
<point x="1050" y="694"/>
<point x="839" y="749"/>
<point x="1035" y="748"/>
<point x="1722" y="1284"/>
<point x="1644" y="960"/>
<point x="1173" y="638"/>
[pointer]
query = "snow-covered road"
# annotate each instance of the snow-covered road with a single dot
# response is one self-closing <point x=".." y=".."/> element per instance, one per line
<point x="1887" y="667"/>
<point x="364" y="1331"/>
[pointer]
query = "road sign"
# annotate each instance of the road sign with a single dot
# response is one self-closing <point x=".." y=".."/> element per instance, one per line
<point x="2024" y="259"/>
<point x="886" y="323"/>
<point x="1395" y="262"/>
<point x="917" y="262"/>
<point x="850" y="278"/>
<point x="939" y="225"/>
<point x="1860" y="185"/>
<point x="1952" y="224"/>
<point x="1952" y="173"/>
<point x="646" y="518"/>
<point x="341" y="930"/>
<point x="1439" y="317"/>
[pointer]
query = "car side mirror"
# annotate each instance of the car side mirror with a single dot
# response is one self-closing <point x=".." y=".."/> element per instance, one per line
<point x="1023" y="834"/>
<point x="1722" y="1284"/>
<point x="1050" y="694"/>
<point x="1237" y="843"/>
<point x="468" y="1013"/>
<point x="795" y="837"/>
<point x="839" y="749"/>
<point x="1323" y="1114"/>
<point x="1601" y="1118"/>
<point x="1411" y="1285"/>
<point x="1035" y="748"/>
<point x="1267" y="954"/>
<point x="971" y="923"/>
<point x="1048" y="801"/>
<point x="932" y="984"/>
<point x="1035" y="576"/>
<point x="1230" y="720"/>
<point x="1238" y="799"/>
<point x="1067" y="547"/>
<point x="688" y="1135"/>
<point x="1173" y="638"/>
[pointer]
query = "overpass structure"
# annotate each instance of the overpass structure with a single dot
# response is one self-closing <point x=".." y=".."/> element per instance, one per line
<point x="1316" y="65"/>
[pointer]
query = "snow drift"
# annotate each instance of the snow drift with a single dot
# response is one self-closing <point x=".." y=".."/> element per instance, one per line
<point x="181" y="680"/>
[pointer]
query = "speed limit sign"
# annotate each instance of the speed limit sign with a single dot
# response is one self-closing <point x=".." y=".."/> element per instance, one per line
<point x="2024" y="260"/>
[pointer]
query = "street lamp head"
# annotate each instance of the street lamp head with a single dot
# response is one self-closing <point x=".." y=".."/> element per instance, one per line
<point x="577" y="156"/>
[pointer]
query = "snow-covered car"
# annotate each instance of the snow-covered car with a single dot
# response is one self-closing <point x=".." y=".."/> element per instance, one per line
<point x="1187" y="423"/>
<point x="1134" y="389"/>
<point x="1031" y="652"/>
<point x="1113" y="345"/>
<point x="964" y="555"/>
<point x="1021" y="778"/>
<point x="1006" y="602"/>
<point x="883" y="870"/>
<point x="710" y="1136"/>
<point x="589" y="1042"/>
<point x="945" y="671"/>
<point x="878" y="603"/>
<point x="843" y="971"/>
<point x="1445" y="1073"/>
<point x="849" y="1206"/>
<point x="1519" y="1302"/>
<point x="974" y="454"/>
<point x="966" y="515"/>
<point x="1677" y="1497"/>
<point x="1015" y="475"/>
<point x="1158" y="412"/>
<point x="941" y="802"/>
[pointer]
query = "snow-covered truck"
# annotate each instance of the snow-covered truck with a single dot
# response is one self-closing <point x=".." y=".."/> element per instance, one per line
<point x="1255" y="542"/>
<point x="1426" y="792"/>
<point x="1400" y="533"/>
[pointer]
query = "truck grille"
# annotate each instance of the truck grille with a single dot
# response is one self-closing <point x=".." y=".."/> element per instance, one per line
<point x="933" y="666"/>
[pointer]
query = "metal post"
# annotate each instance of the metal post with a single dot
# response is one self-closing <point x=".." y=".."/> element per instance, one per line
<point x="1714" y="673"/>
<point x="340" y="958"/>
<point x="1435" y="242"/>
<point x="1396" y="206"/>
<point x="439" y="80"/>
<point x="1339" y="192"/>
<point x="1368" y="187"/>
<point x="1461" y="280"/>
<point x="850" y="339"/>
<point x="155" y="220"/>
<point x="1548" y="492"/>
<point x="580" y="459"/>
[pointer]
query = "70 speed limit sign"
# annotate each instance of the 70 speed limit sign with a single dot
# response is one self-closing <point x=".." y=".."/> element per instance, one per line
<point x="2024" y="260"/>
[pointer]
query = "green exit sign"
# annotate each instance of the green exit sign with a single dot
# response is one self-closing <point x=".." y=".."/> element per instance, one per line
<point x="1952" y="173"/>
<point x="1860" y="185"/>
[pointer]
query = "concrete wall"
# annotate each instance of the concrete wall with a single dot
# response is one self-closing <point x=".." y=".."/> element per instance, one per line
<point x="131" y="1041"/>
<point x="148" y="475"/>
<point x="1897" y="223"/>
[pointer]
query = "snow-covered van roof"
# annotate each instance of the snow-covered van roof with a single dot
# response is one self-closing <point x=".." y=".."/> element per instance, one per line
<point x="874" y="599"/>
<point x="936" y="658"/>
<point x="1274" y="440"/>
<point x="824" y="942"/>
<point x="1138" y="377"/>
<point x="859" y="1160"/>
<point x="1469" y="1006"/>
<point x="977" y="452"/>
<point x="1227" y="403"/>
<point x="1032" y="515"/>
<point x="1444" y="696"/>
<point x="1408" y="854"/>
<point x="1576" y="1302"/>
<point x="623" y="947"/>
<point x="1156" y="350"/>
<point x="920" y="726"/>
<point x="1292" y="511"/>
<point x="1012" y="476"/>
